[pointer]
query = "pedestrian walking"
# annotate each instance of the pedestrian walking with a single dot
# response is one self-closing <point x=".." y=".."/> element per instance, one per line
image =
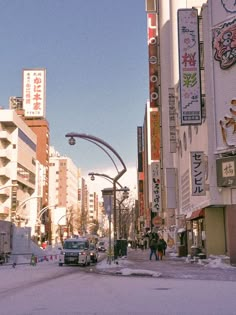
<point x="164" y="246"/>
<point x="161" y="247"/>
<point x="142" y="243"/>
<point x="153" y="247"/>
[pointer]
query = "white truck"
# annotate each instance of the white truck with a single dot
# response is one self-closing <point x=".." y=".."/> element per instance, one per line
<point x="75" y="252"/>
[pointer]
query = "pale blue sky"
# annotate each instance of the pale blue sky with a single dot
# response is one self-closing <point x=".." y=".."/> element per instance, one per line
<point x="96" y="56"/>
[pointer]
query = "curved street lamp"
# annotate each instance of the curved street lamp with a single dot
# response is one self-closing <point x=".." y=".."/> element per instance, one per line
<point x="17" y="217"/>
<point x="125" y="196"/>
<point x="102" y="145"/>
<point x="110" y="179"/>
<point x="39" y="217"/>
<point x="7" y="186"/>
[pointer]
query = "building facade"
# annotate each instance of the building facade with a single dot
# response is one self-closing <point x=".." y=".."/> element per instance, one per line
<point x="63" y="192"/>
<point x="191" y="80"/>
<point x="18" y="146"/>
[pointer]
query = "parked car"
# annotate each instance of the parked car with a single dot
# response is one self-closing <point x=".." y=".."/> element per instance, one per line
<point x="101" y="246"/>
<point x="75" y="251"/>
<point x="93" y="253"/>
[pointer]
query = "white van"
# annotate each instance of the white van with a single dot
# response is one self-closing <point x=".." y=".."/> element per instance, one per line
<point x="75" y="252"/>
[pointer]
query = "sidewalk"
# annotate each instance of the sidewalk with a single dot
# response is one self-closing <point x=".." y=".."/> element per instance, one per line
<point x="137" y="263"/>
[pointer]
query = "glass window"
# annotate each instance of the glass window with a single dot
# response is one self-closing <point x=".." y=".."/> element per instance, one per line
<point x="73" y="245"/>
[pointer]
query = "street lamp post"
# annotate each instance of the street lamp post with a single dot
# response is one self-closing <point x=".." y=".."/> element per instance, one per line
<point x="124" y="197"/>
<point x="40" y="214"/>
<point x="15" y="186"/>
<point x="17" y="218"/>
<point x="108" y="192"/>
<point x="60" y="230"/>
<point x="102" y="145"/>
<point x="7" y="186"/>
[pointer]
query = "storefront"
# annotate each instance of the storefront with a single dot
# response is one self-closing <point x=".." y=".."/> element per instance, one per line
<point x="196" y="235"/>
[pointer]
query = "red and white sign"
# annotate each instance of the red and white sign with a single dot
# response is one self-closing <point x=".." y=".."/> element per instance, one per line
<point x="34" y="92"/>
<point x="157" y="221"/>
<point x="153" y="61"/>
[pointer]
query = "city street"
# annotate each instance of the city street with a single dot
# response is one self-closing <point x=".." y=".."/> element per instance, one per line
<point x="102" y="289"/>
<point x="118" y="157"/>
<point x="53" y="290"/>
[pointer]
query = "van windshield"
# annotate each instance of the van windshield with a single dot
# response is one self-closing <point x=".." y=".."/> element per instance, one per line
<point x="73" y="245"/>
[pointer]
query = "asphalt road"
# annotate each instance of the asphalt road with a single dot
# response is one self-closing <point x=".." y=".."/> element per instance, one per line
<point x="50" y="289"/>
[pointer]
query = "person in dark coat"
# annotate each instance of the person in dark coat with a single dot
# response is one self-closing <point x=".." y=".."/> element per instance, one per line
<point x="164" y="246"/>
<point x="153" y="246"/>
<point x="161" y="247"/>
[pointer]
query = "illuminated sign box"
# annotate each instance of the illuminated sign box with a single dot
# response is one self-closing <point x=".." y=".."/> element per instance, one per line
<point x="226" y="171"/>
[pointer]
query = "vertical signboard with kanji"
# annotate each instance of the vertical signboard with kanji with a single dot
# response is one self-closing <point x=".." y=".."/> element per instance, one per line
<point x="34" y="92"/>
<point x="153" y="61"/>
<point x="141" y="198"/>
<point x="189" y="70"/>
<point x="156" y="187"/>
<point x="155" y="135"/>
<point x="172" y="121"/>
<point x="198" y="174"/>
<point x="226" y="171"/>
<point x="140" y="148"/>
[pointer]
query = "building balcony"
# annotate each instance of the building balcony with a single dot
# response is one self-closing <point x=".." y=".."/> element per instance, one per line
<point x="6" y="154"/>
<point x="4" y="211"/>
<point x="4" y="135"/>
<point x="5" y="172"/>
<point x="5" y="192"/>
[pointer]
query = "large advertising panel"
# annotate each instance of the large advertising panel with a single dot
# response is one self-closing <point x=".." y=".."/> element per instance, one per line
<point x="140" y="148"/>
<point x="34" y="92"/>
<point x="155" y="135"/>
<point x="172" y="122"/>
<point x="156" y="187"/>
<point x="141" y="197"/>
<point x="224" y="48"/>
<point x="153" y="60"/>
<point x="189" y="70"/>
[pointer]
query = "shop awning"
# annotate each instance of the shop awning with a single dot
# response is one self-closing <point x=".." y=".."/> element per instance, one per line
<point x="197" y="214"/>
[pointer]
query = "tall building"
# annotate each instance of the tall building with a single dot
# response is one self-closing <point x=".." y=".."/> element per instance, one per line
<point x="92" y="212"/>
<point x="63" y="192"/>
<point x="18" y="145"/>
<point x="84" y="206"/>
<point x="32" y="108"/>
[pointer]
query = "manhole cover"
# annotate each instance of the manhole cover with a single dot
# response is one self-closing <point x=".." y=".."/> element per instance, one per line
<point x="162" y="289"/>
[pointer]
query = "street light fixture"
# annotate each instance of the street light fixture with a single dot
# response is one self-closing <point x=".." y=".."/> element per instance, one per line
<point x="102" y="145"/>
<point x="109" y="192"/>
<point x="39" y="217"/>
<point x="107" y="177"/>
<point x="14" y="186"/>
<point x="17" y="217"/>
<point x="7" y="186"/>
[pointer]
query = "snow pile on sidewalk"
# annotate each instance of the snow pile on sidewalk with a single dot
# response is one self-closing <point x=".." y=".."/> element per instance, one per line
<point x="116" y="267"/>
<point x="218" y="262"/>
